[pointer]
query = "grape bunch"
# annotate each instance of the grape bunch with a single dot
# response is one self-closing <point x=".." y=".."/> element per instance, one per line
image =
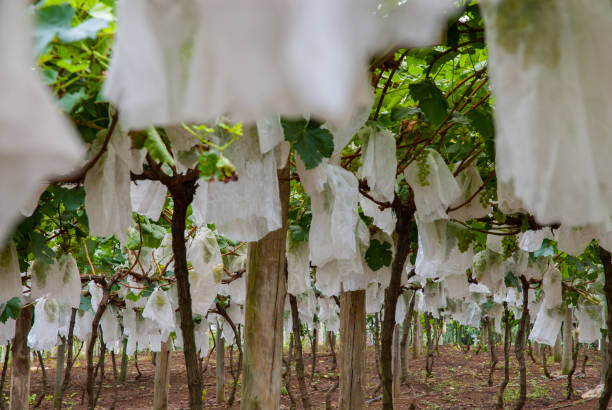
<point x="423" y="166"/>
<point x="509" y="245"/>
<point x="464" y="239"/>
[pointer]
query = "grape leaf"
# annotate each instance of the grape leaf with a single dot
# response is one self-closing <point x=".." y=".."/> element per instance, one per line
<point x="378" y="254"/>
<point x="40" y="248"/>
<point x="156" y="147"/>
<point x="512" y="281"/>
<point x="132" y="296"/>
<point x="71" y="198"/>
<point x="10" y="310"/>
<point x="56" y="20"/>
<point x="70" y="100"/>
<point x="310" y="140"/>
<point x="547" y="249"/>
<point x="431" y="101"/>
<point x="85" y="303"/>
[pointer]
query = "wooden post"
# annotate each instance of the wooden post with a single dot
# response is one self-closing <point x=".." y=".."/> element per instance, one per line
<point x="404" y="346"/>
<point x="266" y="289"/>
<point x="20" y="366"/>
<point x="566" y="359"/>
<point x="557" y="349"/>
<point x="397" y="369"/>
<point x="352" y="350"/>
<point x="59" y="376"/>
<point x="162" y="377"/>
<point x="220" y="365"/>
<point x="124" y="362"/>
<point x="417" y="338"/>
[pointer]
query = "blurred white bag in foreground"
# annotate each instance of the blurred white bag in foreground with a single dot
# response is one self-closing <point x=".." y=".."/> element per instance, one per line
<point x="196" y="60"/>
<point x="549" y="66"/>
<point x="36" y="141"/>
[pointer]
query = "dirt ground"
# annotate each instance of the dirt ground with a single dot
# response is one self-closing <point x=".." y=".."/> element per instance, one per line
<point x="459" y="381"/>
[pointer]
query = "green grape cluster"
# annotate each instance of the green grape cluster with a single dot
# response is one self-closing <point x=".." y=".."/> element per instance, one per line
<point x="487" y="195"/>
<point x="464" y="239"/>
<point x="462" y="131"/>
<point x="499" y="215"/>
<point x="423" y="166"/>
<point x="509" y="245"/>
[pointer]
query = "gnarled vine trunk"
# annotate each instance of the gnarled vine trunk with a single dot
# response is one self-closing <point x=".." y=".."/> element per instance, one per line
<point x="263" y="313"/>
<point x="91" y="377"/>
<point x="604" y="399"/>
<point x="69" y="347"/>
<point x="182" y="195"/>
<point x="397" y="368"/>
<point x="404" y="211"/>
<point x="504" y="383"/>
<point x="406" y="331"/>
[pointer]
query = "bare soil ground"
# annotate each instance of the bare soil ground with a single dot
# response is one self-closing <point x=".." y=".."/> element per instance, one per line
<point x="459" y="381"/>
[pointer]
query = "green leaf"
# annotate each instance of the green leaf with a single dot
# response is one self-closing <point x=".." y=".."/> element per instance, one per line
<point x="512" y="281"/>
<point x="578" y="264"/>
<point x="132" y="296"/>
<point x="488" y="305"/>
<point x="547" y="249"/>
<point x="11" y="310"/>
<point x="398" y="113"/>
<point x="156" y="147"/>
<point x="56" y="20"/>
<point x="452" y="34"/>
<point x="152" y="235"/>
<point x="69" y="66"/>
<point x="483" y="122"/>
<point x="40" y="248"/>
<point x="87" y="29"/>
<point x="50" y="21"/>
<point x="71" y="198"/>
<point x="207" y="164"/>
<point x="48" y="76"/>
<point x="298" y="233"/>
<point x="70" y="100"/>
<point x="310" y="140"/>
<point x="378" y="254"/>
<point x="85" y="303"/>
<point x="431" y="100"/>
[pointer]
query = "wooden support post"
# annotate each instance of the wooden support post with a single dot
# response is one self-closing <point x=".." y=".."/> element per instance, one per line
<point x="59" y="376"/>
<point x="162" y="377"/>
<point x="266" y="289"/>
<point x="352" y="350"/>
<point x="220" y="365"/>
<point x="20" y="367"/>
